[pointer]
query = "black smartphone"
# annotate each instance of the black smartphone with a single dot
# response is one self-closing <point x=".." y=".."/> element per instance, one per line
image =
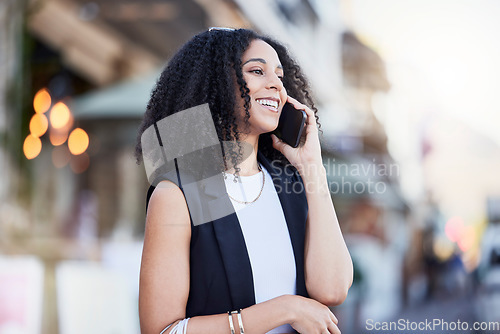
<point x="291" y="125"/>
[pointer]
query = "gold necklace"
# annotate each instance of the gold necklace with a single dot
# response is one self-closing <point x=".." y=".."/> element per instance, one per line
<point x="260" y="193"/>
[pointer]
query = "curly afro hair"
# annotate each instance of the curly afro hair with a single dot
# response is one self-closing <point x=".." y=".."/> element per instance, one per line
<point x="206" y="70"/>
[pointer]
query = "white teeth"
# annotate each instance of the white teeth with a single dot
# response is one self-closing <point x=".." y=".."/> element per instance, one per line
<point x="269" y="103"/>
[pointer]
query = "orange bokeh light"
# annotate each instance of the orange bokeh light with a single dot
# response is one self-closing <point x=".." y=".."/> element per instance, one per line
<point x="59" y="115"/>
<point x="39" y="125"/>
<point x="78" y="141"/>
<point x="466" y="241"/>
<point x="69" y="124"/>
<point x="58" y="136"/>
<point x="42" y="101"/>
<point x="32" y="146"/>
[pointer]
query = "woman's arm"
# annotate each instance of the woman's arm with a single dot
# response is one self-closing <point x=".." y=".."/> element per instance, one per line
<point x="164" y="281"/>
<point x="328" y="265"/>
<point x="164" y="278"/>
<point x="304" y="314"/>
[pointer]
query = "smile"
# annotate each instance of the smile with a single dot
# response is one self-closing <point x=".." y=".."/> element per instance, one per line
<point x="271" y="104"/>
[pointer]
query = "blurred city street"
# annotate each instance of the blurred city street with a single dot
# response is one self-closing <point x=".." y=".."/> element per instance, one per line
<point x="437" y="312"/>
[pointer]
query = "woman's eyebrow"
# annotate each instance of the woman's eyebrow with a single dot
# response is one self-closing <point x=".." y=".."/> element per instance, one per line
<point x="261" y="60"/>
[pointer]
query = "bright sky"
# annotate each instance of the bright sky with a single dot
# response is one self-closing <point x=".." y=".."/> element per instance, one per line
<point x="446" y="51"/>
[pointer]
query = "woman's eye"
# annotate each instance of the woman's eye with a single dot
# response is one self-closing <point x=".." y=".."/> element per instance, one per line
<point x="281" y="77"/>
<point x="258" y="71"/>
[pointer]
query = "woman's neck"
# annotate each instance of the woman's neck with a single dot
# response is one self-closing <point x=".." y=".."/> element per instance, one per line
<point x="249" y="166"/>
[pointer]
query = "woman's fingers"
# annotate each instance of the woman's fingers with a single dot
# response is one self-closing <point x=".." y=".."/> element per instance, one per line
<point x="278" y="143"/>
<point x="311" y="119"/>
<point x="311" y="125"/>
<point x="315" y="318"/>
<point x="334" y="318"/>
<point x="332" y="326"/>
<point x="296" y="103"/>
<point x="333" y="329"/>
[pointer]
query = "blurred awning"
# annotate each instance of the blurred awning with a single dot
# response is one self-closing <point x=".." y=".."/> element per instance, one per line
<point x="362" y="66"/>
<point x="90" y="46"/>
<point x="127" y="99"/>
<point x="105" y="41"/>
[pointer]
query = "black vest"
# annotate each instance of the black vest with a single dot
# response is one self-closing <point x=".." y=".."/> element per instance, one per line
<point x="220" y="271"/>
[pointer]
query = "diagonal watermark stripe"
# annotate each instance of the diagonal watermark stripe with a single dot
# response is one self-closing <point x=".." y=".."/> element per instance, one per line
<point x="184" y="148"/>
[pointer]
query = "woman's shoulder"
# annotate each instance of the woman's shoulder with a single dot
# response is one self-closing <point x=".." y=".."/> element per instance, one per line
<point x="165" y="190"/>
<point x="167" y="200"/>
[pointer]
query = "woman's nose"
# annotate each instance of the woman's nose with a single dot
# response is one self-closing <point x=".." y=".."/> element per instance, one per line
<point x="275" y="82"/>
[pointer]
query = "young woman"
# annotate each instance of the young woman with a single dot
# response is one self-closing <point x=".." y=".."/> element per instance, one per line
<point x="280" y="259"/>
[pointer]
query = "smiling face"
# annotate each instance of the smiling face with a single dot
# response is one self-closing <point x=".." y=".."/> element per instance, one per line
<point x="263" y="74"/>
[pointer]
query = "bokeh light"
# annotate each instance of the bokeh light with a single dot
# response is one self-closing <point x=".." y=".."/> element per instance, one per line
<point x="69" y="123"/>
<point x="59" y="115"/>
<point x="39" y="125"/>
<point x="32" y="146"/>
<point x="467" y="238"/>
<point x="58" y="136"/>
<point x="60" y="156"/>
<point x="443" y="248"/>
<point x="42" y="101"/>
<point x="78" y="141"/>
<point x="464" y="235"/>
<point x="80" y="163"/>
<point x="454" y="228"/>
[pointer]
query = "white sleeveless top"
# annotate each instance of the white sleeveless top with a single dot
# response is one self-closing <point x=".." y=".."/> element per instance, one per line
<point x="266" y="237"/>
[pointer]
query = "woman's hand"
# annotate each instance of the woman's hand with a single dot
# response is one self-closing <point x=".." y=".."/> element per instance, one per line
<point x="312" y="317"/>
<point x="309" y="151"/>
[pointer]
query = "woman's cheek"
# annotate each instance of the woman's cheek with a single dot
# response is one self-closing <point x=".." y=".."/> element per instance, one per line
<point x="284" y="95"/>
